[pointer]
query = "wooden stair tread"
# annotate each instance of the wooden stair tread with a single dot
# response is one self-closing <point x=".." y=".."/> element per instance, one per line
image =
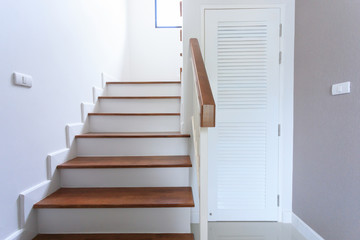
<point x="124" y="236"/>
<point x="150" y="197"/>
<point x="128" y="162"/>
<point x="146" y="82"/>
<point x="134" y="135"/>
<point x="140" y="97"/>
<point x="134" y="114"/>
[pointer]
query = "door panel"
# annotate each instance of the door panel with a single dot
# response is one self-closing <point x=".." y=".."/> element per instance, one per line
<point x="242" y="59"/>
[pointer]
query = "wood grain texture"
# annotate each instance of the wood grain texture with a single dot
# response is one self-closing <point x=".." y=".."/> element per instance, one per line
<point x="206" y="98"/>
<point x="151" y="197"/>
<point x="124" y="236"/>
<point x="147" y="82"/>
<point x="140" y="97"/>
<point x="134" y="114"/>
<point x="127" y="162"/>
<point x="134" y="135"/>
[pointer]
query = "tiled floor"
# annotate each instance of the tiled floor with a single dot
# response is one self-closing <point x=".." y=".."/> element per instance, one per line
<point x="250" y="231"/>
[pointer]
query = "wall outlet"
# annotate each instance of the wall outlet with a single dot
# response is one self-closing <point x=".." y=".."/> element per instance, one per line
<point x="340" y="88"/>
<point x="21" y="79"/>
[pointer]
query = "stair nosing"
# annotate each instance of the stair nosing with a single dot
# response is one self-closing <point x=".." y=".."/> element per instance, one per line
<point x="132" y="135"/>
<point x="136" y="162"/>
<point x="139" y="97"/>
<point x="134" y="114"/>
<point x="119" y="236"/>
<point x="140" y="197"/>
<point x="149" y="82"/>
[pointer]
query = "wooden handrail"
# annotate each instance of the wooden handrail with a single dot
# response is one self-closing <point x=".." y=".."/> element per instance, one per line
<point x="206" y="98"/>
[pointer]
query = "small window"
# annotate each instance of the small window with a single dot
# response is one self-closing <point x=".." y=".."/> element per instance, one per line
<point x="167" y="14"/>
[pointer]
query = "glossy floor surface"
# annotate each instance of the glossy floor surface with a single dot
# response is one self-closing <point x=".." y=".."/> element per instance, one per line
<point x="250" y="231"/>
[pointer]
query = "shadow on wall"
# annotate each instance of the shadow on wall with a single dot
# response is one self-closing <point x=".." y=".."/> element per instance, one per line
<point x="27" y="215"/>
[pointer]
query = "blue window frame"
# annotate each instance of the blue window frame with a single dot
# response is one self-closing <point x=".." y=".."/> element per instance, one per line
<point x="167" y="14"/>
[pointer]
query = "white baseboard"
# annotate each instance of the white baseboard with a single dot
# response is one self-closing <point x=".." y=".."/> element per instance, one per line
<point x="56" y="158"/>
<point x="28" y="217"/>
<point x="15" y="236"/>
<point x="195" y="217"/>
<point x="72" y="130"/>
<point x="286" y="216"/>
<point x="21" y="234"/>
<point x="107" y="78"/>
<point x="86" y="108"/>
<point x="96" y="93"/>
<point x="305" y="229"/>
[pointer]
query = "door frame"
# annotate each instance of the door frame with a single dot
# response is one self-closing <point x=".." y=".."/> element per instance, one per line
<point x="286" y="108"/>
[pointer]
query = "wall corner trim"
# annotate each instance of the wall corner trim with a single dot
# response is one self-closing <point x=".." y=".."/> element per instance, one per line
<point x="305" y="229"/>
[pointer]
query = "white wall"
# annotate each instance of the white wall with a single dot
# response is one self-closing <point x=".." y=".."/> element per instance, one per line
<point x="154" y="52"/>
<point x="64" y="45"/>
<point x="193" y="28"/>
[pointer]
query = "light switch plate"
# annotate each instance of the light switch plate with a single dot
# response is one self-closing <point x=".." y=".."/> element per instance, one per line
<point x="340" y="88"/>
<point x="22" y="79"/>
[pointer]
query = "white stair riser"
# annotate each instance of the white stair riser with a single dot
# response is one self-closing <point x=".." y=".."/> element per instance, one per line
<point x="131" y="146"/>
<point x="125" y="177"/>
<point x="139" y="105"/>
<point x="114" y="220"/>
<point x="134" y="123"/>
<point x="143" y="90"/>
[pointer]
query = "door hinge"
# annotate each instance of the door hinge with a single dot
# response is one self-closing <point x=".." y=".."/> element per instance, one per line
<point x="279" y="130"/>
<point x="280" y="30"/>
<point x="278" y="200"/>
<point x="280" y="57"/>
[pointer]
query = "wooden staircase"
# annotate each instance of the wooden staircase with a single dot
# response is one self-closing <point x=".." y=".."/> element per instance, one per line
<point x="130" y="179"/>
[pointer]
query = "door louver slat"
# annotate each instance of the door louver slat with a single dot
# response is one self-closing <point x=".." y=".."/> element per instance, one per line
<point x="240" y="64"/>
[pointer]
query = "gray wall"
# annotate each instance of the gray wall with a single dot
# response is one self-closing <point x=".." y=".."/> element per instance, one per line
<point x="326" y="192"/>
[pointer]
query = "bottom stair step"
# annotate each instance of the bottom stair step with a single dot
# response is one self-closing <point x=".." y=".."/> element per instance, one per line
<point x="164" y="236"/>
<point x="116" y="210"/>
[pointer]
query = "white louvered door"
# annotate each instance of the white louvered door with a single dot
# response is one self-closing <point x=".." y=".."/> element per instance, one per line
<point x="242" y="58"/>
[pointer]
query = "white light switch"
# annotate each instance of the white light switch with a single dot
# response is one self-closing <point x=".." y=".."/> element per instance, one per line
<point x="22" y="79"/>
<point x="340" y="88"/>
